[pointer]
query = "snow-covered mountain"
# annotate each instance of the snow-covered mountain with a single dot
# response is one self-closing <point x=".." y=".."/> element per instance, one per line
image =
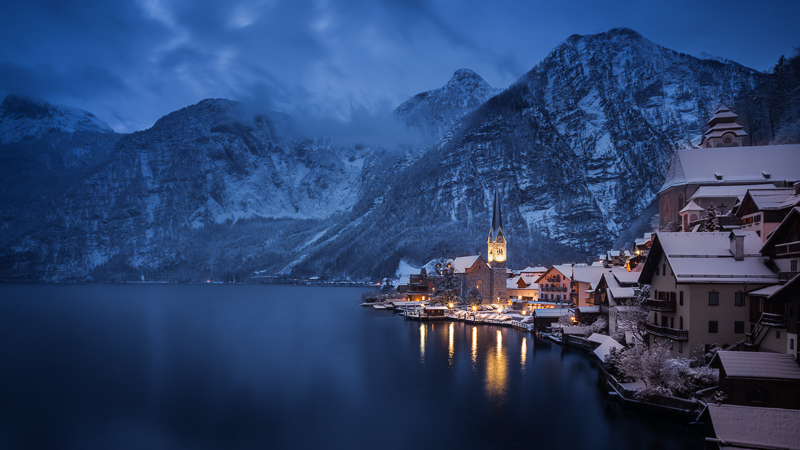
<point x="435" y="112"/>
<point x="28" y="118"/>
<point x="577" y="146"/>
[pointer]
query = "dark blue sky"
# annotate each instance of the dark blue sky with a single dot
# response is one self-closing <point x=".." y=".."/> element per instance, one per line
<point x="131" y="62"/>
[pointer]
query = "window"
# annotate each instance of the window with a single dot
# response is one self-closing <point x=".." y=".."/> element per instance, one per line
<point x="664" y="268"/>
<point x="672" y="322"/>
<point x="657" y="272"/>
<point x="713" y="298"/>
<point x="791" y="344"/>
<point x="680" y="322"/>
<point x="793" y="265"/>
<point x="738" y="327"/>
<point x="756" y="396"/>
<point x="681" y="297"/>
<point x="664" y="321"/>
<point x="713" y="326"/>
<point x="777" y="334"/>
<point x="738" y="298"/>
<point x="680" y="347"/>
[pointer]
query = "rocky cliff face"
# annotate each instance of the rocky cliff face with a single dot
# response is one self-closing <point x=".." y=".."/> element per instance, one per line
<point x="577" y="146"/>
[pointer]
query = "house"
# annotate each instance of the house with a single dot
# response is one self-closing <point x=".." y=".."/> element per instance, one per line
<point x="746" y="427"/>
<point x="777" y="310"/>
<point x="762" y="210"/>
<point x="616" y="294"/>
<point x="523" y="288"/>
<point x="698" y="287"/>
<point x="763" y="379"/>
<point x="720" y="165"/>
<point x="554" y="284"/>
<point x="585" y="280"/>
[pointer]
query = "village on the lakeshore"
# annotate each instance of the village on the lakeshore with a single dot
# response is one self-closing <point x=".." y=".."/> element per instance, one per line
<point x="699" y="318"/>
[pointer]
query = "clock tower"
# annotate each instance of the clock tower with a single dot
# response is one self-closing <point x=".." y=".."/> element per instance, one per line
<point x="497" y="256"/>
<point x="497" y="241"/>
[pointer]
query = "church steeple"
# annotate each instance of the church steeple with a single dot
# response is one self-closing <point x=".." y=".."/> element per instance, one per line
<point x="497" y="241"/>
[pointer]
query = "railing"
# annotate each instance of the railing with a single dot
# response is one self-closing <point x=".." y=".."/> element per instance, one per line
<point x="786" y="276"/>
<point x="672" y="333"/>
<point x="660" y="305"/>
<point x="766" y="320"/>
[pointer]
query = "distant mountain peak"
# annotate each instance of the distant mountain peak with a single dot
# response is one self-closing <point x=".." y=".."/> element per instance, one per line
<point x="25" y="117"/>
<point x="436" y="111"/>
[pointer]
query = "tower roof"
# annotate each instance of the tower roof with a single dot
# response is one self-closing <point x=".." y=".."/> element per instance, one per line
<point x="497" y="219"/>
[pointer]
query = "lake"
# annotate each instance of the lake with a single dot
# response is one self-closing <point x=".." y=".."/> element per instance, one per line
<point x="250" y="366"/>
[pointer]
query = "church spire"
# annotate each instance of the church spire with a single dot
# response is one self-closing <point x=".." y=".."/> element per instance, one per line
<point x="497" y="219"/>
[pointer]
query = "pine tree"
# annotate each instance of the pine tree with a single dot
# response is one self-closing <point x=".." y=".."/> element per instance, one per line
<point x="710" y="220"/>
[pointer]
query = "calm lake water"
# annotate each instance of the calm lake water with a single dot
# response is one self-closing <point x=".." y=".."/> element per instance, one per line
<point x="221" y="366"/>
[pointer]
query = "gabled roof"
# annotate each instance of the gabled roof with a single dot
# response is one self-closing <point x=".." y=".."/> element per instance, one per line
<point x="728" y="190"/>
<point x="589" y="274"/>
<point x="563" y="269"/>
<point x="753" y="427"/>
<point x="462" y="263"/>
<point x="536" y="269"/>
<point x="768" y="200"/>
<point x="777" y="234"/>
<point x="736" y="165"/>
<point x="705" y="257"/>
<point x="757" y="365"/>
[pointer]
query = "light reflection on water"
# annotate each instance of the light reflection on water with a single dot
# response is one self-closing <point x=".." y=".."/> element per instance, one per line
<point x="524" y="354"/>
<point x="422" y="329"/>
<point x="450" y="330"/>
<point x="497" y="371"/>
<point x="474" y="347"/>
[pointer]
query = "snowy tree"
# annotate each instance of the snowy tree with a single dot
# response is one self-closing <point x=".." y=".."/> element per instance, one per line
<point x="446" y="286"/>
<point x="710" y="220"/>
<point x="474" y="297"/>
<point x="631" y="316"/>
<point x="599" y="326"/>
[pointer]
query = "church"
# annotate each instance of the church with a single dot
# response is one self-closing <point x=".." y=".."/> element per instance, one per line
<point x="488" y="276"/>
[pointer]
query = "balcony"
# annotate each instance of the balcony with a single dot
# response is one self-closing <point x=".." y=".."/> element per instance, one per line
<point x="672" y="333"/>
<point x="660" y="305"/>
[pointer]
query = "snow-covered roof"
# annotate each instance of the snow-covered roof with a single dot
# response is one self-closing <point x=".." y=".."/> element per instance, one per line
<point x="622" y="292"/>
<point x="404" y="281"/>
<point x="772" y="199"/>
<point x="606" y="344"/>
<point x="735" y="190"/>
<point x="574" y="330"/>
<point x="536" y="269"/>
<point x="597" y="264"/>
<point x="691" y="206"/>
<point x="705" y="257"/>
<point x="624" y="277"/>
<point x="758" y="365"/>
<point x="551" y="312"/>
<point x="462" y="263"/>
<point x="588" y="309"/>
<point x="766" y="291"/>
<point x="589" y="274"/>
<point x="755" y="427"/>
<point x="736" y="165"/>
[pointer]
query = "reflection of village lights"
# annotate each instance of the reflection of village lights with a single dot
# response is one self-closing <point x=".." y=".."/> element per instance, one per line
<point x="524" y="351"/>
<point x="450" y="346"/>
<point x="422" y="342"/>
<point x="474" y="308"/>
<point x="474" y="344"/>
<point x="450" y="305"/>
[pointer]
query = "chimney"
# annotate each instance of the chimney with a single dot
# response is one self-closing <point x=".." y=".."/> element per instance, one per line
<point x="737" y="244"/>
